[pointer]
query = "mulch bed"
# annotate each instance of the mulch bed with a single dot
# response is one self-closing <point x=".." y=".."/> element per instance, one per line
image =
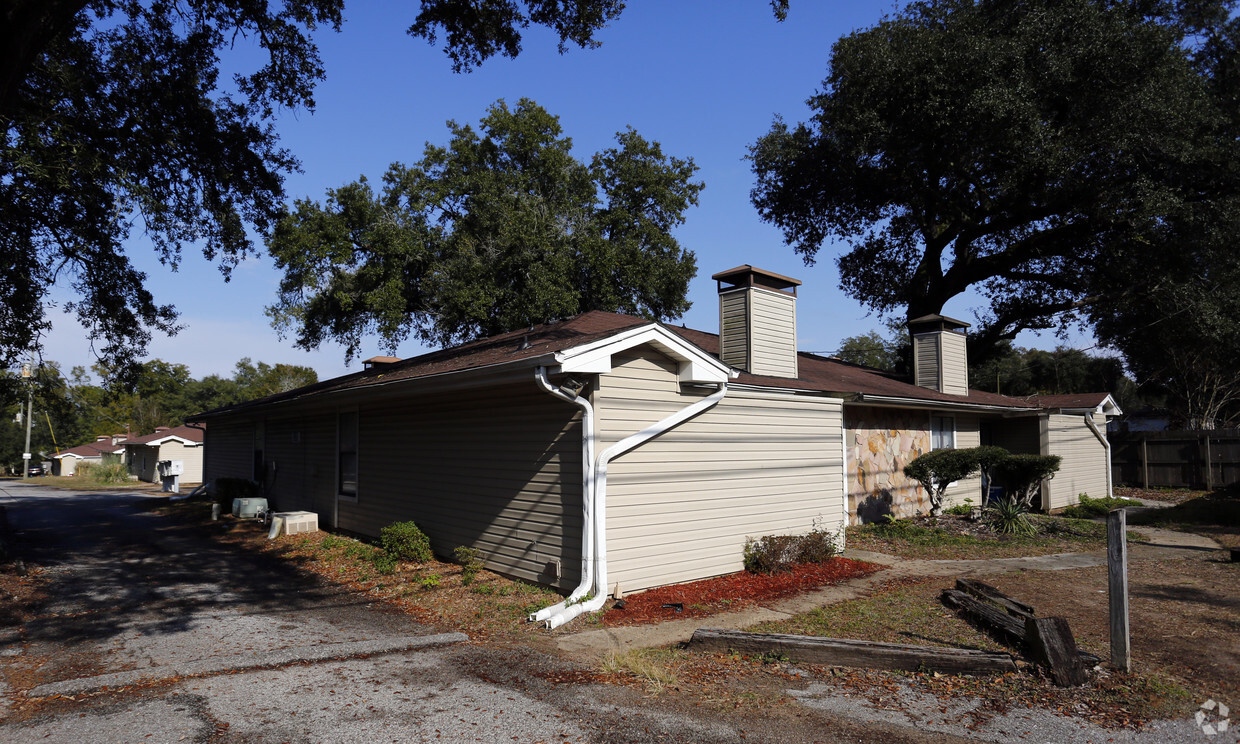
<point x="731" y="592"/>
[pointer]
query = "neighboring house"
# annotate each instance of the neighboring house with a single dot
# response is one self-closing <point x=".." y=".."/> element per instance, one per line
<point x="66" y="462"/>
<point x="684" y="443"/>
<point x="184" y="443"/>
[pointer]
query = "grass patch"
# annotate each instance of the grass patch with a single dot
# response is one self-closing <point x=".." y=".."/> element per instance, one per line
<point x="655" y="667"/>
<point x="1091" y="508"/>
<point x="899" y="611"/>
<point x="102" y="474"/>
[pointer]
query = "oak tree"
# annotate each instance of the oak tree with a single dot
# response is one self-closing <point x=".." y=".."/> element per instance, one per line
<point x="1052" y="155"/>
<point x="500" y="229"/>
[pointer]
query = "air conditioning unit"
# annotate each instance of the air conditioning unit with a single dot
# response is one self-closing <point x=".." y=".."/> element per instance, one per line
<point x="248" y="508"/>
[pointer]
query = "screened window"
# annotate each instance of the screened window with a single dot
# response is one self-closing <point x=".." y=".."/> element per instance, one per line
<point x="346" y="450"/>
<point x="942" y="432"/>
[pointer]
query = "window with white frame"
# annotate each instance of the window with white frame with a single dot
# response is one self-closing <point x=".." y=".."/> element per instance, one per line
<point x="346" y="454"/>
<point x="942" y="432"/>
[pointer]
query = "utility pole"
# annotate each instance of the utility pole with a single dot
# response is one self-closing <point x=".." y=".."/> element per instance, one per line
<point x="27" y="371"/>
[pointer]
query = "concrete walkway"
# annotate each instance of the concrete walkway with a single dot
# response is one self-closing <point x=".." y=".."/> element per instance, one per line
<point x="1162" y="545"/>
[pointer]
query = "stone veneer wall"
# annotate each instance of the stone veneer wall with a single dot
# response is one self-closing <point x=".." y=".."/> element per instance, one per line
<point x="880" y="442"/>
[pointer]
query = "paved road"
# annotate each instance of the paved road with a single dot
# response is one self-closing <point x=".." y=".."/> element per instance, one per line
<point x="137" y="604"/>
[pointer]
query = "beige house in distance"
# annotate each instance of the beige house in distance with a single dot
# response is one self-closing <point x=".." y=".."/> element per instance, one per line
<point x="634" y="454"/>
<point x="184" y="443"/>
<point x="66" y="462"/>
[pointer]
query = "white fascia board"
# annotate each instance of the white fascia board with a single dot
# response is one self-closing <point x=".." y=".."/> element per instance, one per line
<point x="173" y="438"/>
<point x="63" y="455"/>
<point x="595" y="357"/>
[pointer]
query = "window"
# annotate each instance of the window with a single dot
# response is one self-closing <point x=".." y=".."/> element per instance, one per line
<point x="942" y="432"/>
<point x="346" y="454"/>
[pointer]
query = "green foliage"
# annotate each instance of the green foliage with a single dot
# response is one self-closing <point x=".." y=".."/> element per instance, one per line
<point x="103" y="474"/>
<point x="1011" y="517"/>
<point x="1054" y="156"/>
<point x="405" y="542"/>
<point x="1091" y="508"/>
<point x="959" y="510"/>
<point x="778" y="553"/>
<point x="471" y="562"/>
<point x="114" y="114"/>
<point x="430" y="581"/>
<point x="869" y="350"/>
<point x="384" y="562"/>
<point x="227" y="489"/>
<point x="1021" y="475"/>
<point x="501" y="229"/>
<point x="938" y="469"/>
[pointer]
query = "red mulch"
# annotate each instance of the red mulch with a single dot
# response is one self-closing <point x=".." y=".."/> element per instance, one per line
<point x="731" y="592"/>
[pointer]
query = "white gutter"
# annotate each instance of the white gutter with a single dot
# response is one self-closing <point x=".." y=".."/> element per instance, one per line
<point x="599" y="593"/>
<point x="587" y="495"/>
<point x="1106" y="447"/>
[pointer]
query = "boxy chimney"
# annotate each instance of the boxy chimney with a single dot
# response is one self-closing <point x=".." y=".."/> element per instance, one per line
<point x="758" y="321"/>
<point x="940" y="361"/>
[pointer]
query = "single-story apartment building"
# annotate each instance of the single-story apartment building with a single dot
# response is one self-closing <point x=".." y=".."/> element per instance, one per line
<point x="66" y="462"/>
<point x="632" y="453"/>
<point x="184" y="443"/>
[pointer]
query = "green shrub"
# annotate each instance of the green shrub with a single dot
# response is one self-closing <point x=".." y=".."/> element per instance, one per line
<point x="959" y="510"/>
<point x="429" y="581"/>
<point x="471" y="563"/>
<point x="1091" y="508"/>
<point x="778" y="553"/>
<point x="1021" y="475"/>
<point x="405" y="542"/>
<point x="937" y="470"/>
<point x="383" y="562"/>
<point x="1011" y="516"/>
<point x="227" y="489"/>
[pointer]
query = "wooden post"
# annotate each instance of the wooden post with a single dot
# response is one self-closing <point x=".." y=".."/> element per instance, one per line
<point x="1145" y="464"/>
<point x="1209" y="465"/>
<point x="1117" y="588"/>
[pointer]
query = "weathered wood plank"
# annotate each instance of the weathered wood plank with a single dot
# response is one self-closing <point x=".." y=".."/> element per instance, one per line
<point x="852" y="653"/>
<point x="1002" y="626"/>
<point x="1117" y="589"/>
<point x="986" y="592"/>
<point x="1051" y="645"/>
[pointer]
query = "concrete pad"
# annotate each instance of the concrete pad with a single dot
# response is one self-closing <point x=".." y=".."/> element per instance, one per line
<point x="155" y="721"/>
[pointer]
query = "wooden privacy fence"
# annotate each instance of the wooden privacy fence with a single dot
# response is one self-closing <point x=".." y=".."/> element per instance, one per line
<point x="1176" y="459"/>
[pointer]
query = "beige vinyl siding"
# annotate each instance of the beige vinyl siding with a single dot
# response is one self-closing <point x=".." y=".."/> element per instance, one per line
<point x="190" y="457"/>
<point x="926" y="360"/>
<point x="954" y="364"/>
<point x="496" y="469"/>
<point x="734" y="328"/>
<point x="773" y="334"/>
<point x="228" y="450"/>
<point x="680" y="506"/>
<point x="1084" y="465"/>
<point x="300" y="458"/>
<point x="967" y="435"/>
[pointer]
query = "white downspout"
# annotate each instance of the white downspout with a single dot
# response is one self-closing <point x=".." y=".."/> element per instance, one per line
<point x="599" y="593"/>
<point x="1106" y="447"/>
<point x="587" y="495"/>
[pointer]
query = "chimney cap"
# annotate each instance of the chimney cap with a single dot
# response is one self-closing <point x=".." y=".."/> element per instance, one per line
<point x="749" y="276"/>
<point x="935" y="322"/>
<point x="379" y="360"/>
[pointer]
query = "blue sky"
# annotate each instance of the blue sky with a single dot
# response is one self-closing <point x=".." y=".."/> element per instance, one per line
<point x="704" y="79"/>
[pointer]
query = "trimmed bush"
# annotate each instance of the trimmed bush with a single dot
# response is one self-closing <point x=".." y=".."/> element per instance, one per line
<point x="937" y="470"/>
<point x="1021" y="475"/>
<point x="405" y="542"/>
<point x="779" y="553"/>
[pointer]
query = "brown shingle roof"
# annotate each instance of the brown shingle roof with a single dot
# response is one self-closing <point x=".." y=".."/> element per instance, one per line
<point x="816" y="373"/>
<point x="184" y="432"/>
<point x="1069" y="400"/>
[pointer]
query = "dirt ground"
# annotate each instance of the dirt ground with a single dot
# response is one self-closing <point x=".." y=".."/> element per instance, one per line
<point x="1185" y="618"/>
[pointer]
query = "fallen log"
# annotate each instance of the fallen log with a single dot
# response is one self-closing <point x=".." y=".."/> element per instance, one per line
<point x="852" y="653"/>
<point x="988" y="593"/>
<point x="1003" y="627"/>
<point x="1000" y="625"/>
